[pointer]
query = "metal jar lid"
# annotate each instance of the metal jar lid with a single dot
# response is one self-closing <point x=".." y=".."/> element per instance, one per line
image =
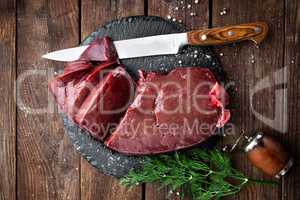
<point x="253" y="142"/>
<point x="286" y="168"/>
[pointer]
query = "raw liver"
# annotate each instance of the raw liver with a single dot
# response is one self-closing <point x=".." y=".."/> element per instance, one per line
<point x="96" y="153"/>
<point x="163" y="114"/>
<point x="94" y="95"/>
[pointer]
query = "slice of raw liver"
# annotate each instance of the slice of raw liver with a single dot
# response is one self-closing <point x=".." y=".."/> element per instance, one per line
<point x="171" y="112"/>
<point x="94" y="95"/>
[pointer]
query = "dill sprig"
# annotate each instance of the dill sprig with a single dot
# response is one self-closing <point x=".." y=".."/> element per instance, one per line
<point x="205" y="174"/>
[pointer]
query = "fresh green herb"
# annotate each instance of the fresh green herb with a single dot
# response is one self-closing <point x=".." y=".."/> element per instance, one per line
<point x="206" y="174"/>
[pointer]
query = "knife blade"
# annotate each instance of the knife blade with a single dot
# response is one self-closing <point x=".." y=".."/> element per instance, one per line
<point x="171" y="43"/>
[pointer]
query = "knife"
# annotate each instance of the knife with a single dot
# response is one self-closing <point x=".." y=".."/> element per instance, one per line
<point x="171" y="43"/>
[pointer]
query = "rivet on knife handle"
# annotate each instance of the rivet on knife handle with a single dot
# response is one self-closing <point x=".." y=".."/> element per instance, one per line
<point x="255" y="32"/>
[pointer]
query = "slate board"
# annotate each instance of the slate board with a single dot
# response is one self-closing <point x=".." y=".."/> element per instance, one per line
<point x="110" y="162"/>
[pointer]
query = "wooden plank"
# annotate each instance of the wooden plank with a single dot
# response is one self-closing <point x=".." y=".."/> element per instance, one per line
<point x="96" y="13"/>
<point x="48" y="167"/>
<point x="7" y="104"/>
<point x="291" y="183"/>
<point x="247" y="65"/>
<point x="95" y="185"/>
<point x="180" y="11"/>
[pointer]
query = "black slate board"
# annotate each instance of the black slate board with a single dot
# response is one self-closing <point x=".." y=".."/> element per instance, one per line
<point x="113" y="163"/>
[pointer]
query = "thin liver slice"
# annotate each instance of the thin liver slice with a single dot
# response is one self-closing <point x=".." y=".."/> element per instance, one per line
<point x="94" y="91"/>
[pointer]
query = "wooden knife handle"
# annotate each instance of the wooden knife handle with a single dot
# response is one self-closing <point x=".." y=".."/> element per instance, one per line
<point x="255" y="32"/>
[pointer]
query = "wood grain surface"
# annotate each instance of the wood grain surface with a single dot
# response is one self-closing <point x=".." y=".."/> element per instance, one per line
<point x="36" y="158"/>
<point x="7" y="102"/>
<point x="246" y="65"/>
<point x="255" y="32"/>
<point x="291" y="183"/>
<point x="47" y="165"/>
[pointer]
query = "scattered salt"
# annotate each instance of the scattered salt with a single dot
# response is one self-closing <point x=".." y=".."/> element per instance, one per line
<point x="224" y="11"/>
<point x="251" y="60"/>
<point x="221" y="54"/>
<point x="189" y="6"/>
<point x="196" y="1"/>
<point x="226" y="148"/>
<point x="169" y="16"/>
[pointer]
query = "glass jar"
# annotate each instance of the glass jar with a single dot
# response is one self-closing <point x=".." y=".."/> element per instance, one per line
<point x="268" y="155"/>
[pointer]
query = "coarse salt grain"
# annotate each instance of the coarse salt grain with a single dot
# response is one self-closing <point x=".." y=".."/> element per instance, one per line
<point x="203" y="37"/>
<point x="224" y="11"/>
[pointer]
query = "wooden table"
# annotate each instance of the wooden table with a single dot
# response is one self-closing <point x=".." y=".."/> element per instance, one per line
<point x="37" y="160"/>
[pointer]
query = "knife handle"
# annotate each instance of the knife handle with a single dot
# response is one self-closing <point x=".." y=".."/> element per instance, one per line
<point x="255" y="32"/>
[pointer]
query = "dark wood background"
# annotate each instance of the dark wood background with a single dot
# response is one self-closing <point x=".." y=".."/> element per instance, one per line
<point x="37" y="160"/>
